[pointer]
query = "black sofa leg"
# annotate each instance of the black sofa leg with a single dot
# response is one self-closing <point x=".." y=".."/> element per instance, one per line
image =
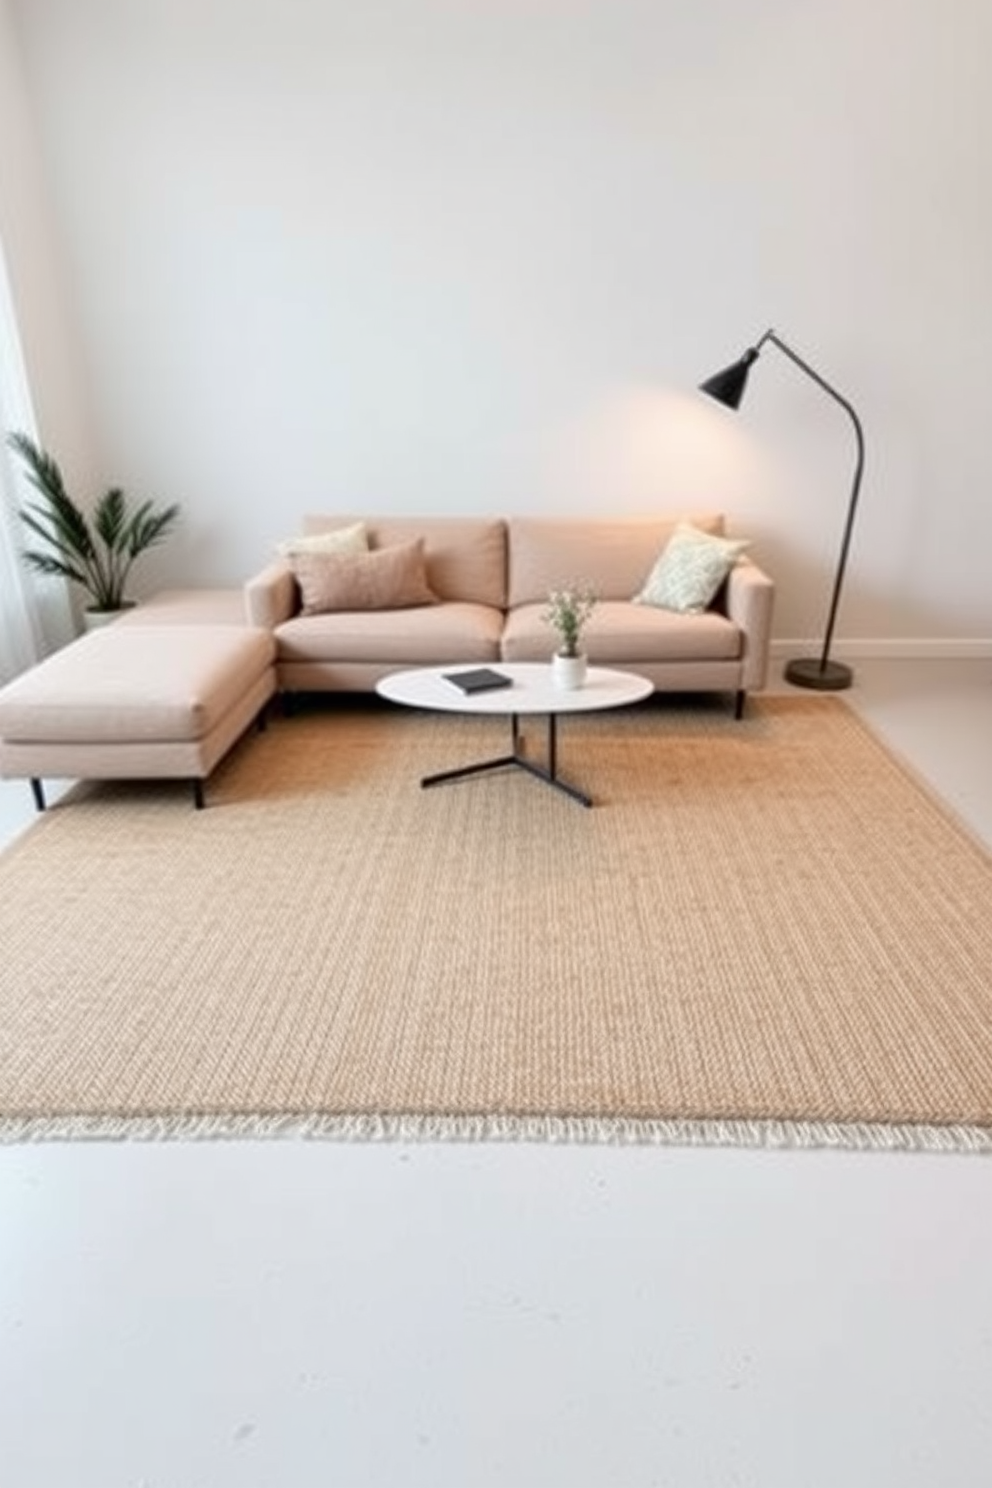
<point x="739" y="705"/>
<point x="38" y="791"/>
<point x="198" y="801"/>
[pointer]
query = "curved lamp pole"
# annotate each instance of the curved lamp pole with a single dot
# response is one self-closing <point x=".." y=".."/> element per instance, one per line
<point x="727" y="387"/>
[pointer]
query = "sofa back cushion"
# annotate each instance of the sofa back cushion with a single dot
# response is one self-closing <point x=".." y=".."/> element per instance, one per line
<point x="614" y="555"/>
<point x="465" y="556"/>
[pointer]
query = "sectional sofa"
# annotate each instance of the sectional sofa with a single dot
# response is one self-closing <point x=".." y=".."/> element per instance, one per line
<point x="488" y="582"/>
<point x="166" y="690"/>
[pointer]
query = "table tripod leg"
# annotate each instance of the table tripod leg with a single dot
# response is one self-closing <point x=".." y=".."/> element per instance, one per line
<point x="548" y="773"/>
<point x="540" y="773"/>
<point x="462" y="770"/>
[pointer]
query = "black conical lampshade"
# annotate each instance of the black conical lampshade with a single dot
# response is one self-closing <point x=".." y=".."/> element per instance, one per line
<point x="728" y="386"/>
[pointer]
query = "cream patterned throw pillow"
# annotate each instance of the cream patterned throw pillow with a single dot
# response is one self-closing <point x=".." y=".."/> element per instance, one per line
<point x="353" y="539"/>
<point x="690" y="570"/>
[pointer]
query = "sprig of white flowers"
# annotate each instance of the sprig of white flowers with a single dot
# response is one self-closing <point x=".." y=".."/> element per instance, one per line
<point x="567" y="612"/>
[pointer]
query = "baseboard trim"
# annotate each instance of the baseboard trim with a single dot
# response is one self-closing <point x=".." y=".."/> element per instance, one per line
<point x="921" y="648"/>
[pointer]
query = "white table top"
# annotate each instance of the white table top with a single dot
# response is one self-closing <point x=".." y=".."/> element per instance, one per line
<point x="532" y="690"/>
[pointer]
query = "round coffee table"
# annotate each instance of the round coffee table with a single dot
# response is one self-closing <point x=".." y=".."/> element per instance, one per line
<point x="531" y="690"/>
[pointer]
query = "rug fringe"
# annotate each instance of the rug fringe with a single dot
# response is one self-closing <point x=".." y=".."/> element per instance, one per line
<point x="856" y="1136"/>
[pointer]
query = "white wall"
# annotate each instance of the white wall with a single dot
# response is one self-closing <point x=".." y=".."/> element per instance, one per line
<point x="474" y="255"/>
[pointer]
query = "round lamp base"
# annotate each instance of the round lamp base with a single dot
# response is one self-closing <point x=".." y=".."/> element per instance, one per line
<point x="831" y="676"/>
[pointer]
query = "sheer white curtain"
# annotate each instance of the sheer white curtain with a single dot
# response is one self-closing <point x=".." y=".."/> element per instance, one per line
<point x="34" y="612"/>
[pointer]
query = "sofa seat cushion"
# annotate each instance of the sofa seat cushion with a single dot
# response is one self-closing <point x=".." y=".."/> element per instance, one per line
<point x="416" y="637"/>
<point x="136" y="683"/>
<point x="621" y="631"/>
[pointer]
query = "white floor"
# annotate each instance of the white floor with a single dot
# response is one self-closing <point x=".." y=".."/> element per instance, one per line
<point x="287" y="1315"/>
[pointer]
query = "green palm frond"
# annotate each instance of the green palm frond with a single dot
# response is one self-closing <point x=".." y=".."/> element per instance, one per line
<point x="66" y="525"/>
<point x="47" y="563"/>
<point x="42" y="469"/>
<point x="148" y="527"/>
<point x="109" y="516"/>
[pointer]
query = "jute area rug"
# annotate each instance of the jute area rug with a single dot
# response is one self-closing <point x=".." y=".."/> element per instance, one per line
<point x="763" y="932"/>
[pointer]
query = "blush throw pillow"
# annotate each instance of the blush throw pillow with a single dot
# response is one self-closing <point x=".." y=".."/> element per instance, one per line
<point x="352" y="539"/>
<point x="391" y="578"/>
<point x="690" y="570"/>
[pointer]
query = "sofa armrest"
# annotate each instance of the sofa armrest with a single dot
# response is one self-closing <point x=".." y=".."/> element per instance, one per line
<point x="749" y="601"/>
<point x="271" y="597"/>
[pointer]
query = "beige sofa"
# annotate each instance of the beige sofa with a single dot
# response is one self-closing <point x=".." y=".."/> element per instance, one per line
<point x="492" y="577"/>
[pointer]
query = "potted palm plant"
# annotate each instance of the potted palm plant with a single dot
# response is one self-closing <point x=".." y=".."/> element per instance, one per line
<point x="567" y="612"/>
<point x="95" y="552"/>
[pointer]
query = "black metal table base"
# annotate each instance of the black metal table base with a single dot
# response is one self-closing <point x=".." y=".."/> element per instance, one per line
<point x="548" y="773"/>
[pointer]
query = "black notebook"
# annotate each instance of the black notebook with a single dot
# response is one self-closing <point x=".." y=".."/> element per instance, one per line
<point x="480" y="679"/>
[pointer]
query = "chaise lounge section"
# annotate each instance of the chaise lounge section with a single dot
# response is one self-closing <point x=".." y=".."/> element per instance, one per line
<point x="136" y="702"/>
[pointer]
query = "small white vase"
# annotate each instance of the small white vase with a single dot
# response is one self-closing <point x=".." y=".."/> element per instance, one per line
<point x="569" y="672"/>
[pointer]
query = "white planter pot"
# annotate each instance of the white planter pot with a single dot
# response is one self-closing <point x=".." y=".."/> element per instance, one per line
<point x="569" y="672"/>
<point x="97" y="619"/>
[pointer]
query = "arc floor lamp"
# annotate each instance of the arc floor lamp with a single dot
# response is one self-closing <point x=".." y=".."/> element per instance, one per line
<point x="727" y="387"/>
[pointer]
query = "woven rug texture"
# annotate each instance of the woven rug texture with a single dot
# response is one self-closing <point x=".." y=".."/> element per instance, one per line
<point x="763" y="930"/>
